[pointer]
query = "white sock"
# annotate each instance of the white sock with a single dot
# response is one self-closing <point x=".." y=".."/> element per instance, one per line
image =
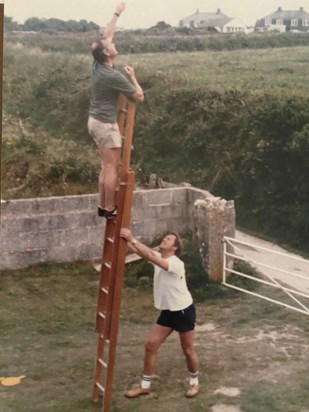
<point x="193" y="378"/>
<point x="146" y="381"/>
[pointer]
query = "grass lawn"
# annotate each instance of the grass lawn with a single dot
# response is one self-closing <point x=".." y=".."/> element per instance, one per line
<point x="47" y="334"/>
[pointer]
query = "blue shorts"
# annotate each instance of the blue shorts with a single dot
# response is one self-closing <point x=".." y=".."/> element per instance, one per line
<point x="179" y="320"/>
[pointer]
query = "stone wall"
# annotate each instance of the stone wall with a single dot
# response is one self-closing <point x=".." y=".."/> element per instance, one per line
<point x="67" y="228"/>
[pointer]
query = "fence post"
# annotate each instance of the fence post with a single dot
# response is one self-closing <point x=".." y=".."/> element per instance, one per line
<point x="214" y="218"/>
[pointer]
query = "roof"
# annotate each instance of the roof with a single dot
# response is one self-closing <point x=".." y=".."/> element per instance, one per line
<point x="198" y="16"/>
<point x="288" y="14"/>
<point x="216" y="22"/>
<point x="235" y="22"/>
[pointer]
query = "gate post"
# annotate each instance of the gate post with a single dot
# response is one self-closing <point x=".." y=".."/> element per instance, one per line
<point x="213" y="218"/>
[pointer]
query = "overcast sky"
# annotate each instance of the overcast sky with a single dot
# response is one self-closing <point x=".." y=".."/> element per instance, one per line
<point x="144" y="13"/>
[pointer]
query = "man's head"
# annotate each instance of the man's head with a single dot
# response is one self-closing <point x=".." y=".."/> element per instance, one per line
<point x="172" y="242"/>
<point x="103" y="50"/>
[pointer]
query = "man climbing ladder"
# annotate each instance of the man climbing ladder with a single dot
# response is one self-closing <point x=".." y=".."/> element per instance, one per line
<point x="106" y="86"/>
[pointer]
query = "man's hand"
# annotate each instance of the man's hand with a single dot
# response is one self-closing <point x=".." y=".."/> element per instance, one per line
<point x="126" y="234"/>
<point x="120" y="7"/>
<point x="130" y="72"/>
<point x="139" y="94"/>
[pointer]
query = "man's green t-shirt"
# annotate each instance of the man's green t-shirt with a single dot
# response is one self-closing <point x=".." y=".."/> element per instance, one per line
<point x="106" y="86"/>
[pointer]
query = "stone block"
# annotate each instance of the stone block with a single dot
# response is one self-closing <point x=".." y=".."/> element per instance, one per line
<point x="155" y="197"/>
<point x="214" y="219"/>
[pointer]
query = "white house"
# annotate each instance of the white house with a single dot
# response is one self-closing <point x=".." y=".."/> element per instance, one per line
<point x="235" y="26"/>
<point x="284" y="20"/>
<point x="205" y="20"/>
<point x="216" y="21"/>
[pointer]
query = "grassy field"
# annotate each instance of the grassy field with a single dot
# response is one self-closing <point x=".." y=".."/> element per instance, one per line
<point x="55" y="115"/>
<point x="281" y="70"/>
<point x="47" y="335"/>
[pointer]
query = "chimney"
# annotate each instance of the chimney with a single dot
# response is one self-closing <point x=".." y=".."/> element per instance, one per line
<point x="197" y="11"/>
<point x="301" y="9"/>
<point x="218" y="11"/>
<point x="279" y="8"/>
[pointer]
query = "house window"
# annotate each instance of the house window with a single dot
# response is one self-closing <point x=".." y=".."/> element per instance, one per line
<point x="306" y="22"/>
<point x="294" y="22"/>
<point x="279" y="22"/>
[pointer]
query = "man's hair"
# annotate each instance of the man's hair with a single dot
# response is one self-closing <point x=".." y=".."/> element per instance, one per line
<point x="178" y="243"/>
<point x="97" y="51"/>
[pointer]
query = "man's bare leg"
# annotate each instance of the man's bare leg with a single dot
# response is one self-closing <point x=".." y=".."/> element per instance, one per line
<point x="108" y="180"/>
<point x="186" y="340"/>
<point x="157" y="336"/>
<point x="187" y="344"/>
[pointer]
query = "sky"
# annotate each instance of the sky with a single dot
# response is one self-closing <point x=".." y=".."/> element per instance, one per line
<point x="144" y="13"/>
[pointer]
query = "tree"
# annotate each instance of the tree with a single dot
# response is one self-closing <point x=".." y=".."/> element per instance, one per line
<point x="161" y="25"/>
<point x="10" y="24"/>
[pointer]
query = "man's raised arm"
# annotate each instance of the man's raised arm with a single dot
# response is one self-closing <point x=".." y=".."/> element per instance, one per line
<point x="111" y="27"/>
<point x="142" y="250"/>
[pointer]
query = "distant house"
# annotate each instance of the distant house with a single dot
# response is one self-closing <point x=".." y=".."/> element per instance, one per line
<point x="214" y="21"/>
<point x="205" y="20"/>
<point x="284" y="20"/>
<point x="235" y="26"/>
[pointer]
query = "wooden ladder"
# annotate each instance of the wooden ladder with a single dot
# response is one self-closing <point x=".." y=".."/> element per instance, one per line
<point x="112" y="266"/>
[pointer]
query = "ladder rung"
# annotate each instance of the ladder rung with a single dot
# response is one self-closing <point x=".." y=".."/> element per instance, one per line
<point x="110" y="240"/>
<point x="123" y="110"/>
<point x="101" y="315"/>
<point x="104" y="290"/>
<point x="106" y="341"/>
<point x="100" y="387"/>
<point x="102" y="363"/>
<point x="107" y="265"/>
<point x="123" y="183"/>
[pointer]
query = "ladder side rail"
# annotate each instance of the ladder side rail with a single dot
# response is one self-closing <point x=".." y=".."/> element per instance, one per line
<point x="115" y="256"/>
<point x="117" y="294"/>
<point x="122" y="113"/>
<point x="127" y="147"/>
<point x="103" y="325"/>
<point x="98" y="368"/>
<point x="106" y="274"/>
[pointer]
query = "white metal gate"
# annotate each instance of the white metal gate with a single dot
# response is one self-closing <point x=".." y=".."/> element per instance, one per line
<point x="292" y="278"/>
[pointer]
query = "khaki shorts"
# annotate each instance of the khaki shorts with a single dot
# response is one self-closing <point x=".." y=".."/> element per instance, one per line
<point x="106" y="135"/>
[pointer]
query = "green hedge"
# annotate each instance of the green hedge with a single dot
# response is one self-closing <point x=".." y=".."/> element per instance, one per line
<point x="251" y="146"/>
<point x="143" y="42"/>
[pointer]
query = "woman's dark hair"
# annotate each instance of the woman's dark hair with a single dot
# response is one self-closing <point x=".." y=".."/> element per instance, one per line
<point x="98" y="51"/>
<point x="178" y="243"/>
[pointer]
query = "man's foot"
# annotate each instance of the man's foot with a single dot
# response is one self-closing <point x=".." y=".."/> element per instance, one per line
<point x="137" y="391"/>
<point x="192" y="391"/>
<point x="108" y="214"/>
